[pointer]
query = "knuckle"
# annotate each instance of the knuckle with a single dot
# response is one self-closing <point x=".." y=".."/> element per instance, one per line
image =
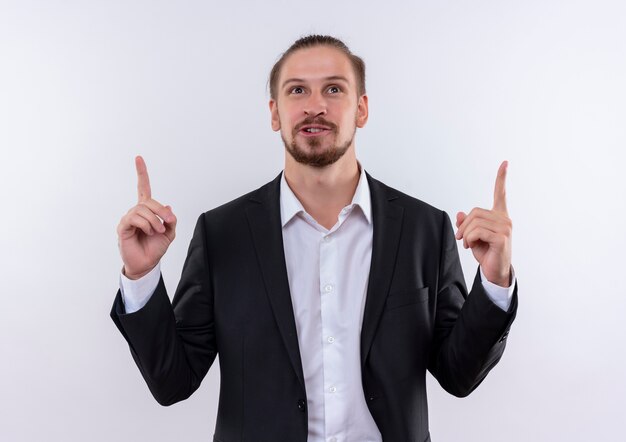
<point x="140" y="221"/>
<point x="143" y="206"/>
<point x="139" y="208"/>
<point x="507" y="226"/>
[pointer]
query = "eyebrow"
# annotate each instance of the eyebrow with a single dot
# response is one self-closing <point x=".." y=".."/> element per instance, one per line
<point x="300" y="80"/>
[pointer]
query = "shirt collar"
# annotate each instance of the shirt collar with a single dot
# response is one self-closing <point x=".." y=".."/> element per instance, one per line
<point x="290" y="206"/>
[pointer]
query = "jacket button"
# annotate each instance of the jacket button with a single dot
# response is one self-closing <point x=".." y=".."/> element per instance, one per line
<point x="302" y="405"/>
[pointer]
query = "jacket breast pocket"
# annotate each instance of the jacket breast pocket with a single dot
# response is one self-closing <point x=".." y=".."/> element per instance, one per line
<point x="401" y="299"/>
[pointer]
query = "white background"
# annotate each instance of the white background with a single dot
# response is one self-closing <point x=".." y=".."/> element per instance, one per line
<point x="454" y="87"/>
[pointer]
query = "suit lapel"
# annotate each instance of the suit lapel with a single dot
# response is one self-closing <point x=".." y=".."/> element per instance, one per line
<point x="265" y="226"/>
<point x="387" y="219"/>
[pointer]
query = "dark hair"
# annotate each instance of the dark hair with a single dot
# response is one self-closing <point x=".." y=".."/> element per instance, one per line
<point x="311" y="41"/>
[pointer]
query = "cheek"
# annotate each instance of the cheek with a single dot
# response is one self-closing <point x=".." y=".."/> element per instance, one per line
<point x="349" y="118"/>
<point x="348" y="111"/>
<point x="286" y="118"/>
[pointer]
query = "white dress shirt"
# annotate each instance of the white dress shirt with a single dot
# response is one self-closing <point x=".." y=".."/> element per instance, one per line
<point x="328" y="271"/>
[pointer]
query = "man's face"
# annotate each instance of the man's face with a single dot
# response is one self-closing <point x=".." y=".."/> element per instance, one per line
<point x="317" y="108"/>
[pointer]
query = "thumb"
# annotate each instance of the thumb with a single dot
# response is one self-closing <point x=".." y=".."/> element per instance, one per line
<point x="460" y="217"/>
<point x="170" y="224"/>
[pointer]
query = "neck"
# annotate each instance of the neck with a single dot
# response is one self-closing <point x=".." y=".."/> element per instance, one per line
<point x="324" y="191"/>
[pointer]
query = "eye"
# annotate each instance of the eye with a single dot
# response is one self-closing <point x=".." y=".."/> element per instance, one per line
<point x="296" y="90"/>
<point x="334" y="90"/>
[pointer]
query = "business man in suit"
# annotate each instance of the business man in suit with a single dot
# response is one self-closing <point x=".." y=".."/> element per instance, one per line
<point x="326" y="293"/>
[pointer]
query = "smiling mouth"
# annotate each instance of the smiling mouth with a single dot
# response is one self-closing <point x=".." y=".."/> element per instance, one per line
<point x="309" y="131"/>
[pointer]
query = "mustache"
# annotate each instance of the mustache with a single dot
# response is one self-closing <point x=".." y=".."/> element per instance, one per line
<point x="315" y="120"/>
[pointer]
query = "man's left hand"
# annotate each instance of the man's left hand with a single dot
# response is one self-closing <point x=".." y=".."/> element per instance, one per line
<point x="488" y="234"/>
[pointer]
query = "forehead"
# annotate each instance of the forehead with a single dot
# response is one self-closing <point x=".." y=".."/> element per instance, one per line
<point x="316" y="63"/>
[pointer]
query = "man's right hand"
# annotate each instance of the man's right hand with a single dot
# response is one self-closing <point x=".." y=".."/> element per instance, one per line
<point x="146" y="231"/>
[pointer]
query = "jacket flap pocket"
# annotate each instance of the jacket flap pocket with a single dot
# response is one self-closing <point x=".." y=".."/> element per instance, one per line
<point x="406" y="298"/>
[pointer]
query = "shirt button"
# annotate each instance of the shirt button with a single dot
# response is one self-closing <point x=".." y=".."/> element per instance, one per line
<point x="326" y="239"/>
<point x="332" y="439"/>
<point x="331" y="339"/>
<point x="332" y="389"/>
<point x="328" y="288"/>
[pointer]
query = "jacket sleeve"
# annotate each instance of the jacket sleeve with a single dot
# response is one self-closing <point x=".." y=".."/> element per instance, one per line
<point x="470" y="330"/>
<point x="174" y="344"/>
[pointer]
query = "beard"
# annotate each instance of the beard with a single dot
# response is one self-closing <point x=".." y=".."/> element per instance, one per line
<point x="313" y="155"/>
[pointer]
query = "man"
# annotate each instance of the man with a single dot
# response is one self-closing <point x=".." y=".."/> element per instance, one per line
<point x="326" y="293"/>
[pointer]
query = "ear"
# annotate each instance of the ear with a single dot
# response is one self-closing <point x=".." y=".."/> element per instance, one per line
<point x="274" y="114"/>
<point x="362" y="111"/>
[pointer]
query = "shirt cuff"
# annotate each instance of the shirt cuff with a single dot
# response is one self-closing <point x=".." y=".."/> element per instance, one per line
<point x="500" y="296"/>
<point x="137" y="292"/>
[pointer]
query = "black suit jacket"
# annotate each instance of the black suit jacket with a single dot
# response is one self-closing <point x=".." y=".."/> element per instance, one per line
<point x="233" y="299"/>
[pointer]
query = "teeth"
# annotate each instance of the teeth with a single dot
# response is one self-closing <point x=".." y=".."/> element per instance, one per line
<point x="314" y="130"/>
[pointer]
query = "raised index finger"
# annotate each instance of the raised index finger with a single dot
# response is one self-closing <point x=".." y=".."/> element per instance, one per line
<point x="499" y="193"/>
<point x="143" y="181"/>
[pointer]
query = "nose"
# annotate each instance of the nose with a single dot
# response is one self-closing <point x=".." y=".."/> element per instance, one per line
<point x="315" y="105"/>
